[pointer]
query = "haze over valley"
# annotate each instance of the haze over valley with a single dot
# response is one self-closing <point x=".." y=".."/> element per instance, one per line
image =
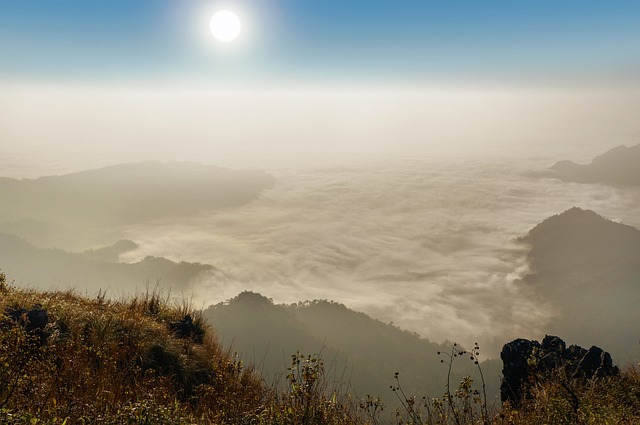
<point x="431" y="245"/>
<point x="356" y="179"/>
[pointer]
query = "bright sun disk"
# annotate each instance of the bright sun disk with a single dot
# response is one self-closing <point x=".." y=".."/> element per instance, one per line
<point x="225" y="26"/>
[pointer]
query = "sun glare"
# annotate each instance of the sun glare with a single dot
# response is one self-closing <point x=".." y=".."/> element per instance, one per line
<point x="225" y="26"/>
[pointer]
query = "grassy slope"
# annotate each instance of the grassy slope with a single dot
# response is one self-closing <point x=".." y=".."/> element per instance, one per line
<point x="118" y="362"/>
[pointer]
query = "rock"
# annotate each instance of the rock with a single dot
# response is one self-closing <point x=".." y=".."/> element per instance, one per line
<point x="515" y="359"/>
<point x="596" y="362"/>
<point x="551" y="353"/>
<point x="37" y="320"/>
<point x="528" y="362"/>
<point x="575" y="353"/>
<point x="34" y="321"/>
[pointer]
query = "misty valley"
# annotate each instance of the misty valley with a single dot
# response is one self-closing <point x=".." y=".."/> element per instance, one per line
<point x="377" y="267"/>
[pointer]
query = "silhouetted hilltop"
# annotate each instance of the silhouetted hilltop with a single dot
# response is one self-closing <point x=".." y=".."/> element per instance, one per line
<point x="579" y="239"/>
<point x="110" y="253"/>
<point x="588" y="269"/>
<point x="367" y="340"/>
<point x="130" y="193"/>
<point x="91" y="271"/>
<point x="357" y="349"/>
<point x="265" y="333"/>
<point x="618" y="167"/>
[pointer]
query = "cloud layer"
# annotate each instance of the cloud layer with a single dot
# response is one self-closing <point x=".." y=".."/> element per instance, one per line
<point x="427" y="245"/>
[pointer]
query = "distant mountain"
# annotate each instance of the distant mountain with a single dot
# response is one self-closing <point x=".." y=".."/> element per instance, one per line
<point x="618" y="167"/>
<point x="110" y="253"/>
<point x="129" y="193"/>
<point x="91" y="270"/>
<point x="43" y="233"/>
<point x="357" y="350"/>
<point x="588" y="269"/>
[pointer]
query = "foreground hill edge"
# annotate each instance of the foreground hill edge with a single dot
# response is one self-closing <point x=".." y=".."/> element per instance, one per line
<point x="143" y="360"/>
<point x="68" y="359"/>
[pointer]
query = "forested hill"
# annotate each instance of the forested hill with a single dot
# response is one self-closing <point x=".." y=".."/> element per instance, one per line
<point x="588" y="268"/>
<point x="360" y="351"/>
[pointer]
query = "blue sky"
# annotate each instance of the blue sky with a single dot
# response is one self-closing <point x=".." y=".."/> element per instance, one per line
<point x="320" y="39"/>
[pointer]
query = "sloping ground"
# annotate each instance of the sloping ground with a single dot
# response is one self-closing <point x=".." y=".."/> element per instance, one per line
<point x="69" y="359"/>
<point x="66" y="359"/>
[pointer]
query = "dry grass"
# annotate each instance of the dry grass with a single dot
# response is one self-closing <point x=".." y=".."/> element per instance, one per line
<point x="554" y="399"/>
<point x="611" y="400"/>
<point x="119" y="362"/>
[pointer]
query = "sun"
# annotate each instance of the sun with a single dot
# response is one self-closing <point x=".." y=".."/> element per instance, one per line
<point x="225" y="26"/>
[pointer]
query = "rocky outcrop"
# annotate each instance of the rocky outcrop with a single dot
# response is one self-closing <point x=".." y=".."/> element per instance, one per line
<point x="528" y="362"/>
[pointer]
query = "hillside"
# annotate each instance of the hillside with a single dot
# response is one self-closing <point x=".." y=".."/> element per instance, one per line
<point x="65" y="359"/>
<point x="619" y="166"/>
<point x="588" y="269"/>
<point x="93" y="270"/>
<point x="364" y="353"/>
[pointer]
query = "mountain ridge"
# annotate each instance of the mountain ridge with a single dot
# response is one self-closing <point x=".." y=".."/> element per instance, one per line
<point x="91" y="269"/>
<point x="619" y="166"/>
<point x="130" y="193"/>
<point x="588" y="268"/>
<point x="363" y="352"/>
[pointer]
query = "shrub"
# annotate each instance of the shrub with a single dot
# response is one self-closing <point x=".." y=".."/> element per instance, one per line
<point x="464" y="405"/>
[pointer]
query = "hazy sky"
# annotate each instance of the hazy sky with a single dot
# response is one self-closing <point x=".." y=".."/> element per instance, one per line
<point x="320" y="40"/>
<point x="92" y="83"/>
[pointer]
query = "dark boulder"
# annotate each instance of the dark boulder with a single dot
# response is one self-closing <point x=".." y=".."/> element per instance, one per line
<point x="527" y="362"/>
<point x="37" y="320"/>
<point x="515" y="357"/>
<point x="575" y="353"/>
<point x="34" y="321"/>
<point x="551" y="354"/>
<point x="596" y="362"/>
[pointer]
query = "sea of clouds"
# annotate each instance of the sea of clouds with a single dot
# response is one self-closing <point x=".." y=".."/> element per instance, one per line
<point x="429" y="245"/>
<point x="402" y="204"/>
